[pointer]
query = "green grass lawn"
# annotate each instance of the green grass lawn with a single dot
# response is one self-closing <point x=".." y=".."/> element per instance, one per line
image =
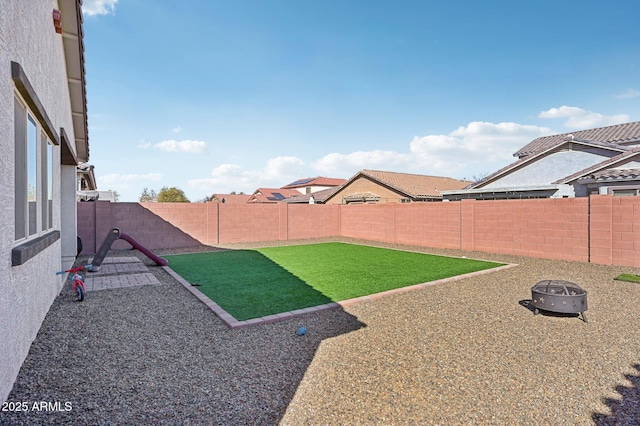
<point x="632" y="278"/>
<point x="254" y="283"/>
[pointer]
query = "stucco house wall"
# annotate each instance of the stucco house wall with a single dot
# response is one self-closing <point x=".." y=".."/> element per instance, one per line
<point x="27" y="290"/>
<point x="550" y="168"/>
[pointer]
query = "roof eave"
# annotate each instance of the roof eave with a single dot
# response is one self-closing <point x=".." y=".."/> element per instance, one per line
<point x="73" y="44"/>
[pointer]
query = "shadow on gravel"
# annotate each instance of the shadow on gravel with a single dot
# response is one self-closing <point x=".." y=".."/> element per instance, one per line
<point x="157" y="355"/>
<point x="528" y="304"/>
<point x="626" y="410"/>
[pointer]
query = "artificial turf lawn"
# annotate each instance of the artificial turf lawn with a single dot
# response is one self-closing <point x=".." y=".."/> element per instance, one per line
<point x="632" y="278"/>
<point x="255" y="283"/>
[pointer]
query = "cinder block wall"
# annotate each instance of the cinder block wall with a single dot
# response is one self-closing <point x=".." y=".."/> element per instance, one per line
<point x="550" y="228"/>
<point x="306" y="221"/>
<point x="615" y="230"/>
<point x="600" y="229"/>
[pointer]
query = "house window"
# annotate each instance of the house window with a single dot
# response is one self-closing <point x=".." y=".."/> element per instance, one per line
<point x="627" y="192"/>
<point x="46" y="193"/>
<point x="50" y="184"/>
<point x="33" y="174"/>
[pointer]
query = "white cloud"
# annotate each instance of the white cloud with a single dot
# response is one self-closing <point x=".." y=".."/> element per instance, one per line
<point x="478" y="144"/>
<point x="472" y="145"/>
<point x="225" y="178"/>
<point x="181" y="146"/>
<point x="346" y="165"/>
<point x="281" y="167"/>
<point x="176" y="129"/>
<point x="629" y="94"/>
<point x="471" y="150"/>
<point x="144" y="144"/>
<point x="99" y="7"/>
<point x="579" y="118"/>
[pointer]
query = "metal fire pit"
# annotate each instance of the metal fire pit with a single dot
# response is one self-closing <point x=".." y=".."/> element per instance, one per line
<point x="559" y="296"/>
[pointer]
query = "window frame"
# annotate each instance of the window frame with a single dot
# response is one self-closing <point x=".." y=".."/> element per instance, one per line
<point x="28" y="108"/>
<point x="617" y="191"/>
<point x="32" y="188"/>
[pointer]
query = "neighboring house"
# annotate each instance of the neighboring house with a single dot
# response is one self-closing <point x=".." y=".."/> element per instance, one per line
<point x="86" y="177"/>
<point x="44" y="137"/>
<point x="566" y="165"/>
<point x="315" y="184"/>
<point x="318" y="197"/>
<point x="619" y="176"/>
<point x="109" y="195"/>
<point x="272" y="195"/>
<point x="229" y="198"/>
<point x="375" y="186"/>
<point x="87" y="183"/>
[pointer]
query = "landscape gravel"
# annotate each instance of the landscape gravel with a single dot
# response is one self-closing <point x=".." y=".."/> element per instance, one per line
<point x="461" y="353"/>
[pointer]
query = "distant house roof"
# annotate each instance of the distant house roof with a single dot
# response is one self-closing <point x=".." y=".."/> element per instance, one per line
<point x="314" y="181"/>
<point x="362" y="196"/>
<point x="620" y="134"/>
<point x="230" y="198"/>
<point x="319" y="197"/>
<point x="272" y="195"/>
<point x="414" y="186"/>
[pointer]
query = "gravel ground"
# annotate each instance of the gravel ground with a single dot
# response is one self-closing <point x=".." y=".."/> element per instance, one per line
<point x="467" y="352"/>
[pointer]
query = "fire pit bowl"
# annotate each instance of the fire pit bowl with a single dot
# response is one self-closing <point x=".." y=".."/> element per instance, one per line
<point x="559" y="296"/>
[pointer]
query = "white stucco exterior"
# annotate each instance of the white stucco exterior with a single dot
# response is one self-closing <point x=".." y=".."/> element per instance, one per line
<point x="544" y="175"/>
<point x="549" y="169"/>
<point x="28" y="37"/>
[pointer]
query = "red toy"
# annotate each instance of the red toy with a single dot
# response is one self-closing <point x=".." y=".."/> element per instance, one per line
<point x="77" y="280"/>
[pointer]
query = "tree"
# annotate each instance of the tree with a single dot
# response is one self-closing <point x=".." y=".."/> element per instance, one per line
<point x="172" y="195"/>
<point x="480" y="176"/>
<point x="148" y="195"/>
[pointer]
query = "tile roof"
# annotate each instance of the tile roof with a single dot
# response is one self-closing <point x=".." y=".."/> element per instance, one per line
<point x="318" y="196"/>
<point x="416" y="186"/>
<point x="272" y="195"/>
<point x="620" y="134"/>
<point x="230" y="198"/>
<point x="617" y="174"/>
<point x="315" y="181"/>
<point x="368" y="196"/>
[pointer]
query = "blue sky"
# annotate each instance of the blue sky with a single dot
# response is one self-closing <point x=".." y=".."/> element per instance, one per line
<point x="217" y="96"/>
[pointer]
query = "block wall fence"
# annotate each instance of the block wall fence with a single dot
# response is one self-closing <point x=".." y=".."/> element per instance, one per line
<point x="600" y="229"/>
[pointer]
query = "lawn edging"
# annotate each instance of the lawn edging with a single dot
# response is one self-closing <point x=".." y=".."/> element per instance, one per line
<point x="233" y="323"/>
